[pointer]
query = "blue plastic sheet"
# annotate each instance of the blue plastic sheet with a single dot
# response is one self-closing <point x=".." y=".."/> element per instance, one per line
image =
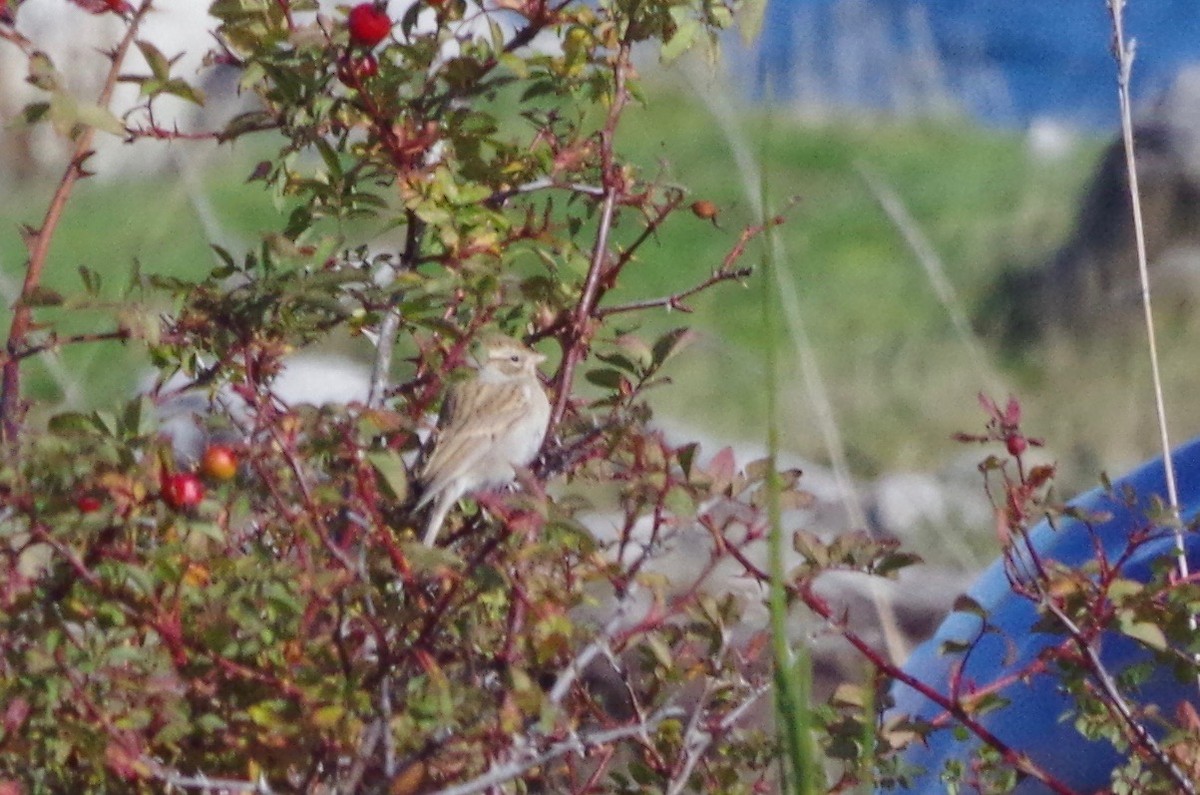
<point x="1038" y="721"/>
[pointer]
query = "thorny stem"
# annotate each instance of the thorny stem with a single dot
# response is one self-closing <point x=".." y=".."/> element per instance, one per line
<point x="56" y="342"/>
<point x="953" y="707"/>
<point x="726" y="272"/>
<point x="1115" y="702"/>
<point x="579" y="334"/>
<point x="1011" y="756"/>
<point x="39" y="242"/>
<point x="577" y="338"/>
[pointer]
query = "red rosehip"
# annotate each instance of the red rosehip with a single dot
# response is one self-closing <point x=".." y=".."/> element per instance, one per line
<point x="1016" y="444"/>
<point x="182" y="490"/>
<point x="88" y="503"/>
<point x="354" y="69"/>
<point x="368" y="24"/>
<point x="219" y="462"/>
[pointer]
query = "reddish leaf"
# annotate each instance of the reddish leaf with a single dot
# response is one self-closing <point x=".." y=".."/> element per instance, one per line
<point x="122" y="761"/>
<point x="722" y="468"/>
<point x="988" y="405"/>
<point x="1012" y="412"/>
<point x="14" y="717"/>
<point x="104" y="6"/>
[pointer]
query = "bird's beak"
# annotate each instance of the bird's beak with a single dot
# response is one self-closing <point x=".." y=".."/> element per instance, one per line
<point x="538" y="358"/>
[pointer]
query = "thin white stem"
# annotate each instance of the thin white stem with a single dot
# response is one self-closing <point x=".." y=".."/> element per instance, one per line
<point x="528" y="758"/>
<point x="1116" y="702"/>
<point x="814" y="383"/>
<point x="1124" y="53"/>
<point x="935" y="271"/>
<point x="177" y="780"/>
<point x="598" y="647"/>
<point x="697" y="741"/>
<point x="382" y="362"/>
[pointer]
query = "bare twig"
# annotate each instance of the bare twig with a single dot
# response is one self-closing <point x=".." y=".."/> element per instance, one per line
<point x="696" y="741"/>
<point x="726" y="272"/>
<point x="529" y="758"/>
<point x="55" y="342"/>
<point x="544" y="183"/>
<point x="11" y="35"/>
<point x="389" y="327"/>
<point x="199" y="781"/>
<point x="1124" y="52"/>
<point x="598" y="646"/>
<point x="579" y="335"/>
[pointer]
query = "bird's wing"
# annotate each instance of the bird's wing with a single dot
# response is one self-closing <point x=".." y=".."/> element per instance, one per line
<point x="474" y="415"/>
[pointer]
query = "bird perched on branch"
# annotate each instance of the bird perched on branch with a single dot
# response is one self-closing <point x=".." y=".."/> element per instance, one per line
<point x="490" y="426"/>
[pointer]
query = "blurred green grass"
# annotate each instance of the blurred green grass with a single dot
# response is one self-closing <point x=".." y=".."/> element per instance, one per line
<point x="899" y="380"/>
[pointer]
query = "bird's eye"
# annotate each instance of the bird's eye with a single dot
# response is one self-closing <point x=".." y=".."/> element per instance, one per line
<point x="515" y="358"/>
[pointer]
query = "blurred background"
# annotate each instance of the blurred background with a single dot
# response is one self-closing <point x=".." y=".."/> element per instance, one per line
<point x="959" y="227"/>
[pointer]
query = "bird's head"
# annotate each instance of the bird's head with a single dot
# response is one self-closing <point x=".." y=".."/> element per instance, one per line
<point x="507" y="356"/>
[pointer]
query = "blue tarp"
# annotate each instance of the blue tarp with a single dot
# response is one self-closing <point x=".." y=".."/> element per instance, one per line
<point x="1003" y="62"/>
<point x="1033" y="723"/>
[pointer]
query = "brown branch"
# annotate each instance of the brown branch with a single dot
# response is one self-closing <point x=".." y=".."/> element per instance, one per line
<point x="11" y="35"/>
<point x="1011" y="756"/>
<point x="55" y="342"/>
<point x="575" y="341"/>
<point x="675" y="301"/>
<point x="39" y="244"/>
<point x="953" y="707"/>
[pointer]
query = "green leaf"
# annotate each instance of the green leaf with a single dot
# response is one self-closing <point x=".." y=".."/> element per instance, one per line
<point x="750" y="17"/>
<point x="687" y="457"/>
<point x="681" y="41"/>
<point x="893" y="562"/>
<point x="42" y="72"/>
<point x="160" y="67"/>
<point x="100" y="118"/>
<point x="965" y="604"/>
<point x="184" y="90"/>
<point x="33" y="113"/>
<point x="606" y="378"/>
<point x="1145" y="631"/>
<point x="671" y="343"/>
<point x="71" y="422"/>
<point x="209" y="530"/>
<point x="393" y="475"/>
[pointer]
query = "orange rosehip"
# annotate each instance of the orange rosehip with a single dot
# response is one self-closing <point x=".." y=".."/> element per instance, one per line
<point x="219" y="462"/>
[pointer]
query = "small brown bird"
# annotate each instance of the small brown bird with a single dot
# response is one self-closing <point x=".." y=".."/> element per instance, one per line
<point x="489" y="426"/>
